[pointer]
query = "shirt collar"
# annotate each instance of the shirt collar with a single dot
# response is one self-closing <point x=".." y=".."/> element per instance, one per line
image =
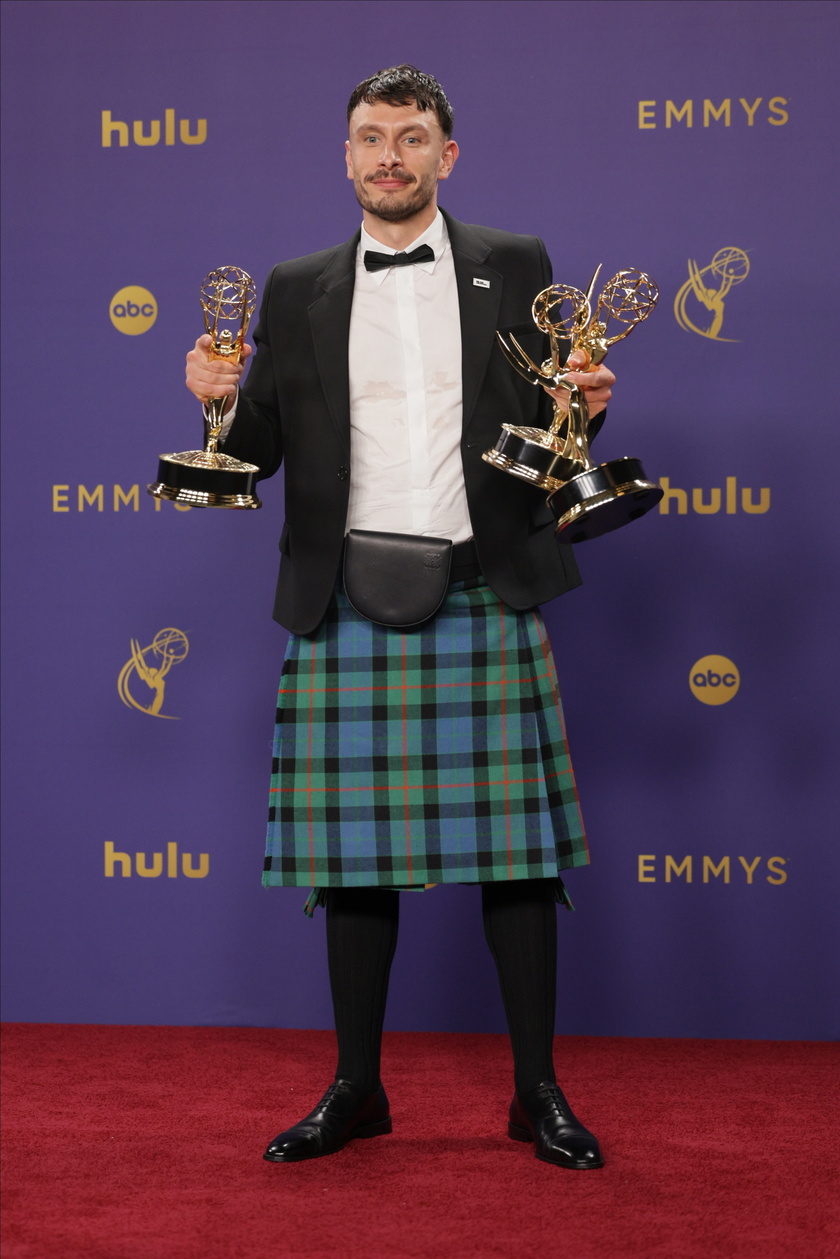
<point x="435" y="235"/>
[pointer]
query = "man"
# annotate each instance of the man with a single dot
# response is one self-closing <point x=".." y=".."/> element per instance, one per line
<point x="434" y="754"/>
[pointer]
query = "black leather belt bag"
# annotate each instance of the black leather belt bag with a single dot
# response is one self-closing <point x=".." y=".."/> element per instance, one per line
<point x="398" y="579"/>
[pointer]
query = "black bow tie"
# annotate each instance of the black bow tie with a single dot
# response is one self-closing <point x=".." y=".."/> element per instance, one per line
<point x="377" y="262"/>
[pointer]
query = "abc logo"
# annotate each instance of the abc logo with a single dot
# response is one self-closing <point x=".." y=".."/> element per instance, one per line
<point x="714" y="680"/>
<point x="133" y="310"/>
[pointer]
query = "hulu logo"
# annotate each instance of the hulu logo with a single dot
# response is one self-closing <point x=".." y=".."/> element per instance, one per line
<point x="709" y="503"/>
<point x="155" y="869"/>
<point x="112" y="128"/>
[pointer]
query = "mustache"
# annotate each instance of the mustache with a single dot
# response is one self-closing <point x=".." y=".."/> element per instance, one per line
<point x="396" y="176"/>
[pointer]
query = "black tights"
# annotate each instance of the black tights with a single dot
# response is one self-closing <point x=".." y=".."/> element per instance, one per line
<point x="362" y="925"/>
<point x="521" y="929"/>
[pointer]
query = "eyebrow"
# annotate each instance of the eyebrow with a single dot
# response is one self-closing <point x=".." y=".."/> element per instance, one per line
<point x="412" y="126"/>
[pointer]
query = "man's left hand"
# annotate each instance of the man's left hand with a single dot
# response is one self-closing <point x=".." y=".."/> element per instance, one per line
<point x="596" y="385"/>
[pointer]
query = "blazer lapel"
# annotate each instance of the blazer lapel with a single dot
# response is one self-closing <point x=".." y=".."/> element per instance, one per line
<point x="329" y="319"/>
<point x="479" y="305"/>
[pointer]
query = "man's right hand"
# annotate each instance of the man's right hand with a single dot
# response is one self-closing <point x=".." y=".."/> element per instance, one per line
<point x="213" y="378"/>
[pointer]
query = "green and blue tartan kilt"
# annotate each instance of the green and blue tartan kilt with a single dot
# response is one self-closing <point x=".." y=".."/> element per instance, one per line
<point x="437" y="755"/>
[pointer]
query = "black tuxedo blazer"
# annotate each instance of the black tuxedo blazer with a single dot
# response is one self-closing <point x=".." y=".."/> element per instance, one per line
<point x="295" y="409"/>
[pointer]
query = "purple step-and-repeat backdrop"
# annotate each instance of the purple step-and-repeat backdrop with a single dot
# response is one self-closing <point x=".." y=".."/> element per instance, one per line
<point x="148" y="142"/>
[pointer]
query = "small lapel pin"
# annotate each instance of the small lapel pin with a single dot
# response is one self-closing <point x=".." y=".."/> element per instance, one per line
<point x="481" y="284"/>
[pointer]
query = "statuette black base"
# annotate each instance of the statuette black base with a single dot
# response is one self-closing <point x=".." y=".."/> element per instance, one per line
<point x="531" y="454"/>
<point x="602" y="499"/>
<point x="201" y="479"/>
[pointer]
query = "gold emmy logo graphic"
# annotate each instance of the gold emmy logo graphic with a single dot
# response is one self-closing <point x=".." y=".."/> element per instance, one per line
<point x="133" y="310"/>
<point x="150" y="665"/>
<point x="709" y="286"/>
<point x="714" y="680"/>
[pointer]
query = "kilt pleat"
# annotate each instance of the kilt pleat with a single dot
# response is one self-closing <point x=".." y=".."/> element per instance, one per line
<point x="437" y="755"/>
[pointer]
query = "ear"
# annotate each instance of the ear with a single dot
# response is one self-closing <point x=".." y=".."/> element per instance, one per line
<point x="448" y="158"/>
<point x="348" y="159"/>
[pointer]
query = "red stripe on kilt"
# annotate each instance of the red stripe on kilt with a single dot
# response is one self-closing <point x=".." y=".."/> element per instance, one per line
<point x="405" y="762"/>
<point x="490" y="782"/>
<point x="309" y="771"/>
<point x="504" y="744"/>
<point x="412" y="686"/>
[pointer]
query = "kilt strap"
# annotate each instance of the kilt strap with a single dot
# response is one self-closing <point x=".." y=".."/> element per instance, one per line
<point x="465" y="565"/>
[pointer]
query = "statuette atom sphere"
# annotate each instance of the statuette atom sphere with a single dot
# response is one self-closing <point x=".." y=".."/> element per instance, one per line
<point x="561" y="310"/>
<point x="629" y="297"/>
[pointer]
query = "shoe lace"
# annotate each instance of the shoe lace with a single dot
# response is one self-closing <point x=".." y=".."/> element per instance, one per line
<point x="338" y="1086"/>
<point x="554" y="1094"/>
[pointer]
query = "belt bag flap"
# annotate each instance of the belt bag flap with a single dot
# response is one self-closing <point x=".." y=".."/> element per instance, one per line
<point x="396" y="579"/>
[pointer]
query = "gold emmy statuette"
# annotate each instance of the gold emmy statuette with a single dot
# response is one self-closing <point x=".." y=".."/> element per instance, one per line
<point x="208" y="478"/>
<point x="587" y="500"/>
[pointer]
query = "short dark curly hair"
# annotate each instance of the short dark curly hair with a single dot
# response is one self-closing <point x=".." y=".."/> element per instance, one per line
<point x="405" y="85"/>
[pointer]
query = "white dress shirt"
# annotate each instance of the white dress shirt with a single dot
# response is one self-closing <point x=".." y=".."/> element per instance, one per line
<point x="405" y="395"/>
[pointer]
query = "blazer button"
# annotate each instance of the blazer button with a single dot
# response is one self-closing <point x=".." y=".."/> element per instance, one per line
<point x="343" y="473"/>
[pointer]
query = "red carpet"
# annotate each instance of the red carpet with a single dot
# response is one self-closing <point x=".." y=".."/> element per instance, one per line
<point x="146" y="1143"/>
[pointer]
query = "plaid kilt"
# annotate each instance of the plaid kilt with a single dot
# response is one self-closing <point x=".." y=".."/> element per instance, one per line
<point x="437" y="755"/>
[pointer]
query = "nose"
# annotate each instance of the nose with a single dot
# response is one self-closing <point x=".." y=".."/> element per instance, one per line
<point x="389" y="156"/>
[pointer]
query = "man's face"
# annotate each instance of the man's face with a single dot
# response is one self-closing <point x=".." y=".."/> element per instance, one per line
<point x="395" y="156"/>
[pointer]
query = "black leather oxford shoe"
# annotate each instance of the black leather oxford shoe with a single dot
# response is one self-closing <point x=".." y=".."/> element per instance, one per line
<point x="344" y="1112"/>
<point x="543" y="1115"/>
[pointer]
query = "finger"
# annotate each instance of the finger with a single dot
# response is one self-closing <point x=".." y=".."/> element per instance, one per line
<point x="576" y="359"/>
<point x="223" y="366"/>
<point x="596" y="395"/>
<point x="592" y="395"/>
<point x="203" y="348"/>
<point x="600" y="376"/>
<point x="218" y="390"/>
<point x="213" y="367"/>
<point x="211" y="386"/>
<point x="200" y="353"/>
<point x="600" y="379"/>
<point x="598" y="402"/>
<point x="212" y="376"/>
<point x="560" y="398"/>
